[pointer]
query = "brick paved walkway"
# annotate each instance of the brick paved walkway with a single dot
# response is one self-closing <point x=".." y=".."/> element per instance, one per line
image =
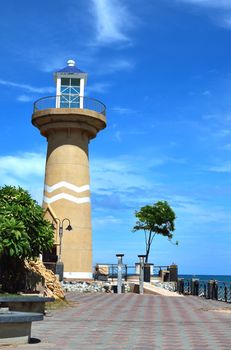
<point x="132" y="321"/>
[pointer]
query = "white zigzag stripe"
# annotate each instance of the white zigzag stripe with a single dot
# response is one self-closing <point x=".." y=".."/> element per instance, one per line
<point x="77" y="189"/>
<point x="67" y="197"/>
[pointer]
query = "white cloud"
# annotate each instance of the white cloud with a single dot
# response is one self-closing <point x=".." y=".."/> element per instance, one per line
<point x="197" y="212"/>
<point x="120" y="64"/>
<point x="227" y="147"/>
<point x="223" y="133"/>
<point x="131" y="178"/>
<point x="112" y="20"/>
<point x="98" y="87"/>
<point x="222" y="168"/>
<point x="206" y="93"/>
<point x="210" y="117"/>
<point x="123" y="110"/>
<point x="122" y="174"/>
<point x="226" y="22"/>
<point x="220" y="4"/>
<point x="25" y="98"/>
<point x="114" y="66"/>
<point x="26" y="170"/>
<point x="124" y="182"/>
<point x="118" y="136"/>
<point x="221" y="10"/>
<point x="27" y="87"/>
<point x="105" y="221"/>
<point x="23" y="165"/>
<point x="109" y="175"/>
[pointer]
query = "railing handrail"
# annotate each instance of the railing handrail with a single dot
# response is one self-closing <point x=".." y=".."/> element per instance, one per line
<point x="204" y="280"/>
<point x="83" y="98"/>
<point x="209" y="289"/>
<point x="113" y="268"/>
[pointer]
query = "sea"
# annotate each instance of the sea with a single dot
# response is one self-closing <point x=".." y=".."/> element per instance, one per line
<point x="219" y="278"/>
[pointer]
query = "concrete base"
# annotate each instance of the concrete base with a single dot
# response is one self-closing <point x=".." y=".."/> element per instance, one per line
<point x="78" y="275"/>
<point x="15" y="327"/>
<point x="26" y="303"/>
<point x="135" y="288"/>
<point x="59" y="269"/>
<point x="15" y="333"/>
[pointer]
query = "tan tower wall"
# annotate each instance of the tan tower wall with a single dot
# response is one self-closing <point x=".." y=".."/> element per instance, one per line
<point x="67" y="182"/>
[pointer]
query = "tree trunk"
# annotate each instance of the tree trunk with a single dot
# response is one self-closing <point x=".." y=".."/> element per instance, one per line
<point x="148" y="246"/>
<point x="12" y="274"/>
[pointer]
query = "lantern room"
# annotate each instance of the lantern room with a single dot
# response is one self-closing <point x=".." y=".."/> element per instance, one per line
<point x="70" y="83"/>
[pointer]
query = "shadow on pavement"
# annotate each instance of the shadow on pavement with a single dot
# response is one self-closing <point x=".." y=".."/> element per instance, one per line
<point x="34" y="341"/>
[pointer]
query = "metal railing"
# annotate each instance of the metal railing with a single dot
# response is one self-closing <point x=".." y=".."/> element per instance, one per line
<point x="212" y="289"/>
<point x="130" y="270"/>
<point x="112" y="271"/>
<point x="69" y="101"/>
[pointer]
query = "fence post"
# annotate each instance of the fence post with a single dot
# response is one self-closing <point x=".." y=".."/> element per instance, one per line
<point x="189" y="288"/>
<point x="212" y="289"/>
<point x="147" y="272"/>
<point x="119" y="275"/>
<point x="215" y="290"/>
<point x="225" y="294"/>
<point x="112" y="272"/>
<point x="173" y="273"/>
<point x="141" y="279"/>
<point x="180" y="285"/>
<point x="195" y="286"/>
<point x="205" y="290"/>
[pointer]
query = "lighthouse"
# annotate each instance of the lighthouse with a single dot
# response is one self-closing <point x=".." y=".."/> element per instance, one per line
<point x="68" y="121"/>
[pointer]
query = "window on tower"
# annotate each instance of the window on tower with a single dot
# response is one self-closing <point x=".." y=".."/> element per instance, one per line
<point x="70" y="90"/>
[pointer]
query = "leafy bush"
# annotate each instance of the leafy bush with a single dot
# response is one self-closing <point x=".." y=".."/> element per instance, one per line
<point x="24" y="232"/>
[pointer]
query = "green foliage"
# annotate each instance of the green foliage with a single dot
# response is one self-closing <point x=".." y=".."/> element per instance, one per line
<point x="155" y="219"/>
<point x="24" y="233"/>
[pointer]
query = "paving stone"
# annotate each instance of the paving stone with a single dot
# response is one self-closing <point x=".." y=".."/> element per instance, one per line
<point x="134" y="322"/>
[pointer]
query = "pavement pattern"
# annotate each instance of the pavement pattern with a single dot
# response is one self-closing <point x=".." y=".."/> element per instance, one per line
<point x="133" y="322"/>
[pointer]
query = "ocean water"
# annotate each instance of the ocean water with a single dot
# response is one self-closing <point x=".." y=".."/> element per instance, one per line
<point x="219" y="278"/>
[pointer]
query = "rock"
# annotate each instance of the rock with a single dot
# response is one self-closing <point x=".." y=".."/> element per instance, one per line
<point x="50" y="285"/>
<point x="94" y="287"/>
<point x="171" y="286"/>
<point x="83" y="287"/>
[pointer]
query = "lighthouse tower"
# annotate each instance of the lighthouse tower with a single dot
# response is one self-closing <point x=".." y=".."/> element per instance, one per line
<point x="69" y="121"/>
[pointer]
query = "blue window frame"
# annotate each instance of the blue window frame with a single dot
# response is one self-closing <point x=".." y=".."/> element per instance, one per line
<point x="70" y="90"/>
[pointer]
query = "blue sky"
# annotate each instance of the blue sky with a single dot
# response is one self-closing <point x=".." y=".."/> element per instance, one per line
<point x="163" y="69"/>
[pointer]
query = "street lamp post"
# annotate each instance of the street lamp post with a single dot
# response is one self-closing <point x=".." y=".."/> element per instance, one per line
<point x="142" y="257"/>
<point x="59" y="265"/>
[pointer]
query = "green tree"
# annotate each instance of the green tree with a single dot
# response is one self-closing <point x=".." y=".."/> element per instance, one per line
<point x="24" y="234"/>
<point x="156" y="219"/>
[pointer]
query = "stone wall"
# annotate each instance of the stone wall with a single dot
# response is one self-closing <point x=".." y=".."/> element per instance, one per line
<point x="44" y="281"/>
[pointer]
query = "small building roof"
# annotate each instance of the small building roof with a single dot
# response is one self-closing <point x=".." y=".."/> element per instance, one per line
<point x="70" y="68"/>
